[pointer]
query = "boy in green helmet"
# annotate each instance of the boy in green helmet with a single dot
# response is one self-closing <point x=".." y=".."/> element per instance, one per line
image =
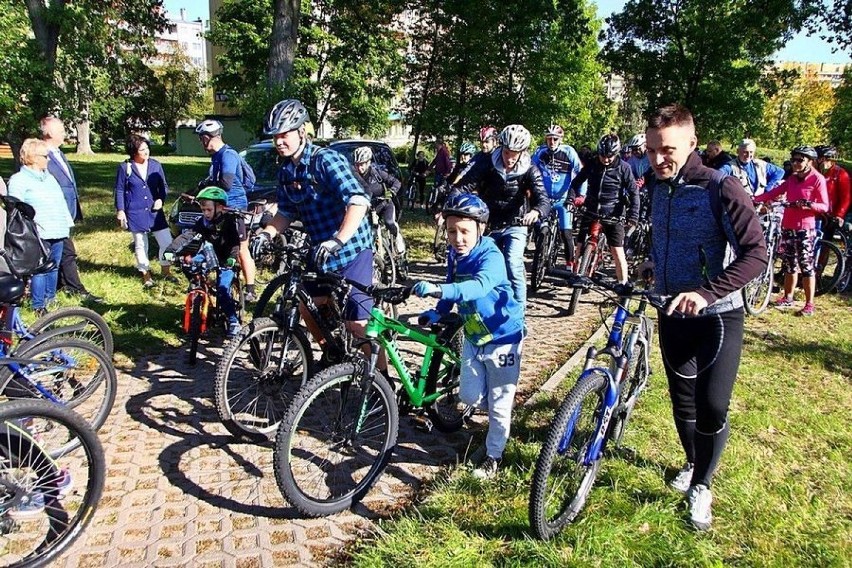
<point x="223" y="231"/>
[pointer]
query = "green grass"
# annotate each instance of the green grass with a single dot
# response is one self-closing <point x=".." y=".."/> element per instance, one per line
<point x="781" y="494"/>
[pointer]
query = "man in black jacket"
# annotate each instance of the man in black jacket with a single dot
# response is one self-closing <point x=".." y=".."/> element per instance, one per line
<point x="511" y="186"/>
<point x="376" y="182"/>
<point x="612" y="192"/>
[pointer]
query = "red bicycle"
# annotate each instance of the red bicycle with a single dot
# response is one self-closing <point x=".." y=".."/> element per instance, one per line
<point x="594" y="251"/>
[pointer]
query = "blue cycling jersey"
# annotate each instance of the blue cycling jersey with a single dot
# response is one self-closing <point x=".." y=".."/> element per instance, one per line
<point x="558" y="167"/>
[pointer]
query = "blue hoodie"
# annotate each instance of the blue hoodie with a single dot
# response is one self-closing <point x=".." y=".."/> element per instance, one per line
<point x="477" y="282"/>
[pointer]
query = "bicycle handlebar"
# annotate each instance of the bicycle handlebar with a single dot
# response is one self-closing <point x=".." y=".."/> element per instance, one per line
<point x="659" y="301"/>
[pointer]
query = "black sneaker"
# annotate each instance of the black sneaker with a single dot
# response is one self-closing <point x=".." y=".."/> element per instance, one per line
<point x="487" y="469"/>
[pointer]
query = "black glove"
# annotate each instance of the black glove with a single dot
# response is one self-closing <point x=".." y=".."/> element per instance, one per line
<point x="326" y="249"/>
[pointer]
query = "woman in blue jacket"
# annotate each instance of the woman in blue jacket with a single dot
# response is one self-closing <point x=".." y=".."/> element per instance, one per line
<point x="140" y="192"/>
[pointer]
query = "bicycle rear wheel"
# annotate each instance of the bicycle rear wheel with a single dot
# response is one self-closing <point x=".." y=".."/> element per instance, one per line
<point x="69" y="372"/>
<point x="257" y="376"/>
<point x="631" y="387"/>
<point x="33" y="466"/>
<point x="448" y="412"/>
<point x="335" y="441"/>
<point x="195" y="319"/>
<point x="562" y="480"/>
<point x="439" y="243"/>
<point x="829" y="269"/>
<point x="94" y="328"/>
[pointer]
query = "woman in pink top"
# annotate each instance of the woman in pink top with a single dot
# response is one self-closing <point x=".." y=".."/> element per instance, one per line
<point x="806" y="192"/>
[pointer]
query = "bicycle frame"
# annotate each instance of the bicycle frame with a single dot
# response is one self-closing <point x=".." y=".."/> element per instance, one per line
<point x="380" y="330"/>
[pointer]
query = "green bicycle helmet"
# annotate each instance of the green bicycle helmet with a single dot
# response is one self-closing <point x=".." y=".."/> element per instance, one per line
<point x="216" y="194"/>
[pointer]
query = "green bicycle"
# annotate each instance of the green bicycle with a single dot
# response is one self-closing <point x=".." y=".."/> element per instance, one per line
<point x="341" y="427"/>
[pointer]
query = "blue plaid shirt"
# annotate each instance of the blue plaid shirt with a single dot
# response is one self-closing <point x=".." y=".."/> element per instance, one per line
<point x="318" y="191"/>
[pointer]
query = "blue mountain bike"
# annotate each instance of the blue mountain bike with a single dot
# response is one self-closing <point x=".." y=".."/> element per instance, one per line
<point x="595" y="412"/>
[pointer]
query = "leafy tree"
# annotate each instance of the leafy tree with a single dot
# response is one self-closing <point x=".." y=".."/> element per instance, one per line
<point x="347" y="65"/>
<point x="840" y="121"/>
<point x="836" y="16"/>
<point x="706" y="55"/>
<point x="178" y="87"/>
<point x="480" y="62"/>
<point x="73" y="51"/>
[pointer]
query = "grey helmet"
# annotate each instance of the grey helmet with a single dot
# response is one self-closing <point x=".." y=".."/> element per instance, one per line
<point x="209" y="127"/>
<point x="285" y="116"/>
<point x="362" y="154"/>
<point x="515" y="137"/>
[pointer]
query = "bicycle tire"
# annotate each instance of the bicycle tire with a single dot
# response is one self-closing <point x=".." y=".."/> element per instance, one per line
<point x="846" y="278"/>
<point x="39" y="541"/>
<point x="194" y="327"/>
<point x="565" y="439"/>
<point x="323" y="413"/>
<point x="448" y="413"/>
<point x="540" y="258"/>
<point x="584" y="269"/>
<point x="439" y="243"/>
<point x="275" y="285"/>
<point x="756" y="294"/>
<point x="829" y="271"/>
<point x="88" y="386"/>
<point x="97" y="332"/>
<point x="388" y="276"/>
<point x="252" y="403"/>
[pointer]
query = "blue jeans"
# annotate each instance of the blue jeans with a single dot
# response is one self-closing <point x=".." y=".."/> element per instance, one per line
<point x="512" y="241"/>
<point x="223" y="292"/>
<point x="43" y="286"/>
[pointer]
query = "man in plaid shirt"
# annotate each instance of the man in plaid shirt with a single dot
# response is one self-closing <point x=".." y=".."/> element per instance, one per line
<point x="318" y="186"/>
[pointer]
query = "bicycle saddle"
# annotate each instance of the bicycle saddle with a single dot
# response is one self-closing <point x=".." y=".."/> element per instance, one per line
<point x="11" y="289"/>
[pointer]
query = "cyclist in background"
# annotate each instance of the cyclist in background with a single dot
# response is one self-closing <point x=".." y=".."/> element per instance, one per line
<point x="377" y="181"/>
<point x="638" y="159"/>
<point x="488" y="136"/>
<point x="612" y="192"/>
<point x="318" y="186"/>
<point x="466" y="153"/>
<point x="226" y="172"/>
<point x="714" y="156"/>
<point x="418" y="169"/>
<point x="756" y="175"/>
<point x="838" y="187"/>
<point x="806" y="191"/>
<point x="559" y="164"/>
<point x="225" y="231"/>
<point x="511" y="186"/>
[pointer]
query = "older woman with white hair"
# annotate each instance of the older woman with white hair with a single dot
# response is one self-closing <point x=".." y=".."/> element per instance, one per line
<point x="35" y="186"/>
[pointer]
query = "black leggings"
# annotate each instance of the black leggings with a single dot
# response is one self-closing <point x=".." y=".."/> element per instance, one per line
<point x="701" y="356"/>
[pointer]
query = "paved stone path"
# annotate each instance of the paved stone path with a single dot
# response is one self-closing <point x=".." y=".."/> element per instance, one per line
<point x="181" y="492"/>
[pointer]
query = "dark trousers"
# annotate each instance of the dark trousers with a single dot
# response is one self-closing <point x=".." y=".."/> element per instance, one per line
<point x="702" y="356"/>
<point x="69" y="276"/>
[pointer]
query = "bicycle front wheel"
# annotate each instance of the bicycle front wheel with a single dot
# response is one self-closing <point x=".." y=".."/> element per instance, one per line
<point x="563" y="478"/>
<point x="34" y="468"/>
<point x="829" y="267"/>
<point x="335" y="440"/>
<point x="73" y="321"/>
<point x="257" y="376"/>
<point x="756" y="293"/>
<point x="195" y="319"/>
<point x="66" y="371"/>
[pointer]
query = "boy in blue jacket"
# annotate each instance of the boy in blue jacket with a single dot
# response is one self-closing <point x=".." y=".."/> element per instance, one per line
<point x="493" y="320"/>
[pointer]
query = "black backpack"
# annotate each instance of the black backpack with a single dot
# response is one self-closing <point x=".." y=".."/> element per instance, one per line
<point x="25" y="252"/>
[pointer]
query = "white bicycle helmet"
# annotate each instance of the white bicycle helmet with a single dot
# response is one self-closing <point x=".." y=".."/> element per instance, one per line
<point x="515" y="137"/>
<point x="285" y="116"/>
<point x="637" y="141"/>
<point x="362" y="154"/>
<point x="209" y="127"/>
<point x="555" y="130"/>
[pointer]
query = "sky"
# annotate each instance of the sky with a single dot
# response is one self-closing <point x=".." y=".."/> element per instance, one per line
<point x="800" y="48"/>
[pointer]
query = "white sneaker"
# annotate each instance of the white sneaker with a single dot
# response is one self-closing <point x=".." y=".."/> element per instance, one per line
<point x="683" y="479"/>
<point x="700" y="499"/>
<point x="487" y="469"/>
<point x="400" y="243"/>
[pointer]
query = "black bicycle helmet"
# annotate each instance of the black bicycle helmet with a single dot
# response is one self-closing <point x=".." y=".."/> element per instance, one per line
<point x="466" y="205"/>
<point x="609" y="146"/>
<point x="829" y="152"/>
<point x="806" y="151"/>
<point x="285" y="116"/>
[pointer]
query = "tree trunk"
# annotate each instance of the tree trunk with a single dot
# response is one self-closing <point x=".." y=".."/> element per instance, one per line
<point x="427" y="87"/>
<point x="84" y="135"/>
<point x="282" y="44"/>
